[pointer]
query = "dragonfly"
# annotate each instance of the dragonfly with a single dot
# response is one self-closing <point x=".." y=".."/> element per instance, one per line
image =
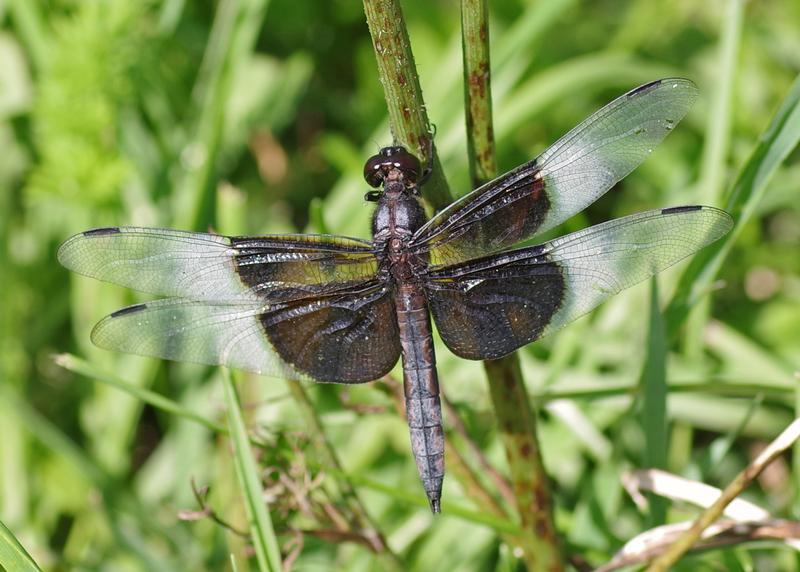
<point x="335" y="309"/>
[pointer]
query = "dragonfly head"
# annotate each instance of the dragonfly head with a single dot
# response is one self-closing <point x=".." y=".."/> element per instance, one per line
<point x="392" y="163"/>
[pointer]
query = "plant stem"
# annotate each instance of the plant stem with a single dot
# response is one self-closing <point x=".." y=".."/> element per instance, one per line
<point x="515" y="417"/>
<point x="408" y="119"/>
<point x="517" y="426"/>
<point x="407" y="116"/>
<point x="478" y="92"/>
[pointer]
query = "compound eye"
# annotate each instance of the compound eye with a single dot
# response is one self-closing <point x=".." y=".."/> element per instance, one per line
<point x="373" y="171"/>
<point x="408" y="164"/>
<point x="390" y="158"/>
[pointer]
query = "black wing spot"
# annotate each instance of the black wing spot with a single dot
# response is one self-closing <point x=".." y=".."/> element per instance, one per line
<point x="102" y="231"/>
<point x="129" y="310"/>
<point x="644" y="88"/>
<point x="682" y="209"/>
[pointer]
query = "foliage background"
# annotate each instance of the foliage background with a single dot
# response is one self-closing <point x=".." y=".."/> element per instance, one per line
<point x="254" y="117"/>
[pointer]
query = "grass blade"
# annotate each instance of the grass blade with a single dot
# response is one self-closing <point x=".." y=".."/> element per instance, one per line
<point x="13" y="555"/>
<point x="233" y="38"/>
<point x="654" y="406"/>
<point x="261" y="531"/>
<point x="82" y="367"/>
<point x="28" y="21"/>
<point x="715" y="152"/>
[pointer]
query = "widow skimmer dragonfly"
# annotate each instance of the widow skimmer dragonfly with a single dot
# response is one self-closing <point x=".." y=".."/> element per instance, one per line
<point x="337" y="309"/>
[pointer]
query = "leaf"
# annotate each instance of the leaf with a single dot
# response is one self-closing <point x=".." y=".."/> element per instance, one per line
<point x="261" y="531"/>
<point x="654" y="405"/>
<point x="13" y="555"/>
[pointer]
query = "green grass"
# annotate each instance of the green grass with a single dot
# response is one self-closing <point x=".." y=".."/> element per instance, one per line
<point x="251" y="117"/>
<point x="12" y="555"/>
<point x="262" y="534"/>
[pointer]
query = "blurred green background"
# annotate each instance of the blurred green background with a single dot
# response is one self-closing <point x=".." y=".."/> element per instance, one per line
<point x="248" y="117"/>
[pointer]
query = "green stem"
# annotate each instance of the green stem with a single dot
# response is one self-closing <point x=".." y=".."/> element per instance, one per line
<point x="477" y="92"/>
<point x="515" y="416"/>
<point x="408" y="119"/>
<point x="517" y="426"/>
<point x="28" y="22"/>
<point x="407" y="116"/>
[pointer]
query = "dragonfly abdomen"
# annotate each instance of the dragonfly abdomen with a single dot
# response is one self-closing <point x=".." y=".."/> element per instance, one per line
<point x="421" y="388"/>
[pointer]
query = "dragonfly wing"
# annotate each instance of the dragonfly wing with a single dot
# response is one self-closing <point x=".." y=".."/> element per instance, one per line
<point x="200" y="266"/>
<point x="489" y="307"/>
<point x="349" y="337"/>
<point x="566" y="178"/>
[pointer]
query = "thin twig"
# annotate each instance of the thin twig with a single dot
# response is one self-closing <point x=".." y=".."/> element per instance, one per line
<point x="733" y="490"/>
<point x="207" y="512"/>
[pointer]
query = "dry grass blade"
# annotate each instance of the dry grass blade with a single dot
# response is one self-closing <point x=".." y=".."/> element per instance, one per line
<point x="712" y="513"/>
<point x="725" y="533"/>
<point x="681" y="489"/>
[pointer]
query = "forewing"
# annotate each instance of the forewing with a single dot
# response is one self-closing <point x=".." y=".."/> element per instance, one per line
<point x="489" y="307"/>
<point x="350" y="337"/>
<point x="215" y="268"/>
<point x="569" y="176"/>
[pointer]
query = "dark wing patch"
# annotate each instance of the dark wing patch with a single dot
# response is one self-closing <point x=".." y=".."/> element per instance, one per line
<point x="348" y="338"/>
<point x="345" y="338"/>
<point x="489" y="307"/>
<point x="214" y="268"/>
<point x="566" y="178"/>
